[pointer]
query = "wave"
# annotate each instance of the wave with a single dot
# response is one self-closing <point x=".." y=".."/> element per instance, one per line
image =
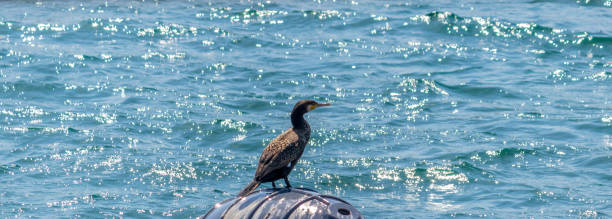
<point x="480" y="91"/>
<point x="591" y="3"/>
<point x="500" y="154"/>
<point x="21" y="86"/>
<point x="453" y="24"/>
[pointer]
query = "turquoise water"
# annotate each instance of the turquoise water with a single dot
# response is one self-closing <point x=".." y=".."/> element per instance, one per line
<point x="161" y="109"/>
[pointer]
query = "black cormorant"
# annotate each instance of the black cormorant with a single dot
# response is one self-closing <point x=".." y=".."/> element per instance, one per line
<point x="281" y="155"/>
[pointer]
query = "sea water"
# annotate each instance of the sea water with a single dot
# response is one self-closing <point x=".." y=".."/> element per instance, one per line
<point x="439" y="108"/>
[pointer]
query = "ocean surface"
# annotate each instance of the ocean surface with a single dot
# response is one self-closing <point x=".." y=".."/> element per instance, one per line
<point x="499" y="109"/>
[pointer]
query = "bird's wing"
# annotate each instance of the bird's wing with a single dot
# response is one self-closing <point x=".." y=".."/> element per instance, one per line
<point x="279" y="153"/>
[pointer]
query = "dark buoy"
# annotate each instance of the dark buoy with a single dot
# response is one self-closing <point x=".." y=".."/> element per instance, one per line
<point x="283" y="203"/>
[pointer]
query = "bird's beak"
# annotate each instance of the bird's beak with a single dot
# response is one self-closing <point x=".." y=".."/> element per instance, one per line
<point x="317" y="105"/>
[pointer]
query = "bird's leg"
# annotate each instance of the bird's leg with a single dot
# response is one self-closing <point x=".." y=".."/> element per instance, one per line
<point x="287" y="182"/>
<point x="273" y="185"/>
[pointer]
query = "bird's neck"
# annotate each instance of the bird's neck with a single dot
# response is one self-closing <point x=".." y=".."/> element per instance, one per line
<point x="298" y="121"/>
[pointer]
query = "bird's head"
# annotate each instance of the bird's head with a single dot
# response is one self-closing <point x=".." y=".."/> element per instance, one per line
<point x="304" y="106"/>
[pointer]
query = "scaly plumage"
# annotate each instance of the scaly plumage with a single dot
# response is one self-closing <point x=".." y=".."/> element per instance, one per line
<point x="280" y="156"/>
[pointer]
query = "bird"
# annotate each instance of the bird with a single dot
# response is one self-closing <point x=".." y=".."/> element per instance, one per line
<point x="280" y="156"/>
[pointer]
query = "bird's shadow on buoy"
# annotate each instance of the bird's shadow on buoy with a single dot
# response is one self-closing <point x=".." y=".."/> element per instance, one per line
<point x="268" y="192"/>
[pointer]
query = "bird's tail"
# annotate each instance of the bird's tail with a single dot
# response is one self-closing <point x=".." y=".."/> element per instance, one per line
<point x="249" y="188"/>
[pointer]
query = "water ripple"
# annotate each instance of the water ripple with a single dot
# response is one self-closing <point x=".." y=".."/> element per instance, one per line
<point x="151" y="109"/>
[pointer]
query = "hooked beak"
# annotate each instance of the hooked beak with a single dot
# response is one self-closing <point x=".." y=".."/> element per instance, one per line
<point x="317" y="105"/>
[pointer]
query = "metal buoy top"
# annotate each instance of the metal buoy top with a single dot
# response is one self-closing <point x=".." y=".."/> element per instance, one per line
<point x="284" y="203"/>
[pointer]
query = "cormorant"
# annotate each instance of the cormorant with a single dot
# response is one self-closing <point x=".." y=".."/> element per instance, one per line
<point x="282" y="153"/>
